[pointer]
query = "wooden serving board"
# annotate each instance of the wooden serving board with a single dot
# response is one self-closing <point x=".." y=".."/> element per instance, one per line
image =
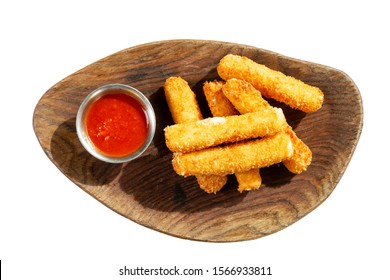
<point x="149" y="192"/>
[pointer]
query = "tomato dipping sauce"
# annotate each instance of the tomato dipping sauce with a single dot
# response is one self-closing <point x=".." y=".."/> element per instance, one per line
<point x="116" y="124"/>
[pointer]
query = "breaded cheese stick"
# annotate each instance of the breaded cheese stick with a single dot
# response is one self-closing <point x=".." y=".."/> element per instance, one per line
<point x="271" y="83"/>
<point x="219" y="130"/>
<point x="220" y="106"/>
<point x="184" y="108"/>
<point x="233" y="158"/>
<point x="248" y="180"/>
<point x="211" y="183"/>
<point x="301" y="159"/>
<point x="244" y="97"/>
<point x="181" y="101"/>
<point x="248" y="99"/>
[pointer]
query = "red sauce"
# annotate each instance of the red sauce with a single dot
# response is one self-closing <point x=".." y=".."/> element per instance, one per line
<point x="116" y="124"/>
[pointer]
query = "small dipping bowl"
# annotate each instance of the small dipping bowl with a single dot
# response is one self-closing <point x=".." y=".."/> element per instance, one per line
<point x="127" y="93"/>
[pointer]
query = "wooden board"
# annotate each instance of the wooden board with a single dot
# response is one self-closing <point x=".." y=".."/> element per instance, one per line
<point x="149" y="192"/>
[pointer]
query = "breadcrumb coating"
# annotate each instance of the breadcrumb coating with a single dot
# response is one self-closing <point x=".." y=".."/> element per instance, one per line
<point x="271" y="83"/>
<point x="184" y="108"/>
<point x="245" y="97"/>
<point x="211" y="183"/>
<point x="248" y="180"/>
<point x="181" y="101"/>
<point x="233" y="158"/>
<point x="220" y="106"/>
<point x="219" y="130"/>
<point x="248" y="99"/>
<point x="301" y="159"/>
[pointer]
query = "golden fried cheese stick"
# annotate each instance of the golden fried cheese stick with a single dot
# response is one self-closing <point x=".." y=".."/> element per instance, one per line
<point x="184" y="109"/>
<point x="219" y="130"/>
<point x="211" y="183"/>
<point x="301" y="159"/>
<point x="248" y="180"/>
<point x="244" y="97"/>
<point x="220" y="106"/>
<point x="248" y="99"/>
<point x="181" y="101"/>
<point x="233" y="158"/>
<point x="271" y="83"/>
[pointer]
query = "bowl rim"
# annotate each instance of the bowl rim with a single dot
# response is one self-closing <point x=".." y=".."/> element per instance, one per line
<point x="115" y="89"/>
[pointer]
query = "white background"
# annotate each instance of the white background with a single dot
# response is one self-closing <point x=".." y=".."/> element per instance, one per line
<point x="51" y="229"/>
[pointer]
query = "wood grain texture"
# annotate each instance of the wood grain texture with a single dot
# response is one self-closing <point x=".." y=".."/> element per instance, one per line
<point x="149" y="192"/>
